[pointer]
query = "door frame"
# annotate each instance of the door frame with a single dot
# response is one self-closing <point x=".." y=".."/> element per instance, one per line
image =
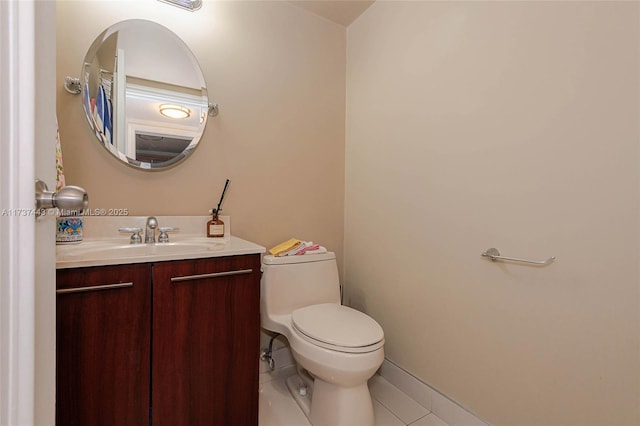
<point x="17" y="223"/>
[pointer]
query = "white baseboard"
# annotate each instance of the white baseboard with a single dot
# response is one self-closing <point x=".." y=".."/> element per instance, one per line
<point x="440" y="405"/>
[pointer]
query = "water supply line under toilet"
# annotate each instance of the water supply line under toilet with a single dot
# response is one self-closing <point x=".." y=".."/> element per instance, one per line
<point x="267" y="353"/>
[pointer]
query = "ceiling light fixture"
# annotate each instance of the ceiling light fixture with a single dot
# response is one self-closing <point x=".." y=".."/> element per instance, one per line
<point x="190" y="5"/>
<point x="174" y="111"/>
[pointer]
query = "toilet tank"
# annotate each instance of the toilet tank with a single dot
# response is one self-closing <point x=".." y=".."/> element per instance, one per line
<point x="292" y="282"/>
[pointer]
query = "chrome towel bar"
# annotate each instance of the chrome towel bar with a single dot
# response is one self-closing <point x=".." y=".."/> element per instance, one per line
<point x="494" y="255"/>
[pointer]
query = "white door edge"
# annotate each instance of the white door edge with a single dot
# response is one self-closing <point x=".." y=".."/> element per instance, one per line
<point x="17" y="297"/>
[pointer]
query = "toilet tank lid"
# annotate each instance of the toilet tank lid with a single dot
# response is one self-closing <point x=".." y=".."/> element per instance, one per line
<point x="303" y="258"/>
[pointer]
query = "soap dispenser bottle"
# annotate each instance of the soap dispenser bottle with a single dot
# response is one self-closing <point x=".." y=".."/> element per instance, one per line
<point x="215" y="227"/>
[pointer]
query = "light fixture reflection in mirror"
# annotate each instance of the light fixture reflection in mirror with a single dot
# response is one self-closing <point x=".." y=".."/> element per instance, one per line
<point x="174" y="111"/>
<point x="190" y="5"/>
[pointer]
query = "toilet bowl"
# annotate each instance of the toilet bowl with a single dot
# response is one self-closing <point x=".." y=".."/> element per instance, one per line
<point x="339" y="347"/>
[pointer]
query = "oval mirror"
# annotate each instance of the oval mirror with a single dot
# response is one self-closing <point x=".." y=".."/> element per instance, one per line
<point x="144" y="94"/>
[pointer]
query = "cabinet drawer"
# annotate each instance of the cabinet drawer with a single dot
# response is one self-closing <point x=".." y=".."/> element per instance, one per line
<point x="217" y="267"/>
<point x="97" y="278"/>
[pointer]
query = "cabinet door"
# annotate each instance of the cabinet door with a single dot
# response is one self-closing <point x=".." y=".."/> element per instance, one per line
<point x="205" y="349"/>
<point x="103" y="345"/>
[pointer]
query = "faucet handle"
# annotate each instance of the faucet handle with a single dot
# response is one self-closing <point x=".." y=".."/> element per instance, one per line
<point x="164" y="237"/>
<point x="135" y="238"/>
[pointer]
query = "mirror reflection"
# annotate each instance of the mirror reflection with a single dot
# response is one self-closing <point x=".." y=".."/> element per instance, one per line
<point x="144" y="94"/>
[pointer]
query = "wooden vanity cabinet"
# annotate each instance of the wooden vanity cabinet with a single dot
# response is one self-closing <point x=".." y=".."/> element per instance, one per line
<point x="179" y="347"/>
<point x="103" y="345"/>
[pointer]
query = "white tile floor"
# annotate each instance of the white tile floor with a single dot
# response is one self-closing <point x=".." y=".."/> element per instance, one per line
<point x="391" y="406"/>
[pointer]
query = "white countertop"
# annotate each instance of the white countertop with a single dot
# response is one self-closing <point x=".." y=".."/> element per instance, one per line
<point x="118" y="251"/>
<point x="104" y="244"/>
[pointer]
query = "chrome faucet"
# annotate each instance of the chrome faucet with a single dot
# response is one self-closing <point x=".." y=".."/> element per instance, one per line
<point x="150" y="230"/>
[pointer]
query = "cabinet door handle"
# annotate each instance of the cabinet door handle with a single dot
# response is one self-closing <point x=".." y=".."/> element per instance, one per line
<point x="94" y="288"/>
<point x="211" y="275"/>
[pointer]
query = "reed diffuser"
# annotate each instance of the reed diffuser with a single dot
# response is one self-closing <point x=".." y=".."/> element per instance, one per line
<point x="215" y="227"/>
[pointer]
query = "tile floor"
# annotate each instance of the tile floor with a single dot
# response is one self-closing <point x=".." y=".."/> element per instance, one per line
<point x="390" y="405"/>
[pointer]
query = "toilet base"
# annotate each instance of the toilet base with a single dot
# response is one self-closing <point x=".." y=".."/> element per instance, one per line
<point x="294" y="384"/>
<point x="329" y="405"/>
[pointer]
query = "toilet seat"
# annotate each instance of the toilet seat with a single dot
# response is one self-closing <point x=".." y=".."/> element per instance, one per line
<point x="338" y="328"/>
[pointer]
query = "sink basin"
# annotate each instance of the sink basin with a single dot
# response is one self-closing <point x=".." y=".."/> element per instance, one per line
<point x="116" y="249"/>
<point x="127" y="250"/>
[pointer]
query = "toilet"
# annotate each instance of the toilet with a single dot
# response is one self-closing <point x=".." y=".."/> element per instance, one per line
<point x="337" y="349"/>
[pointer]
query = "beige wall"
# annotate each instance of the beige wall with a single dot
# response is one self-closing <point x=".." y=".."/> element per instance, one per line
<point x="512" y="125"/>
<point x="278" y="74"/>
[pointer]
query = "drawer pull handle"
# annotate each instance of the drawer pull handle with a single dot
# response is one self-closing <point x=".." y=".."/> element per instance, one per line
<point x="211" y="275"/>
<point x="94" y="288"/>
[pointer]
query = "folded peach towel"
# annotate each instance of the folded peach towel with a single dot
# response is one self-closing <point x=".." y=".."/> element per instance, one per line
<point x="314" y="249"/>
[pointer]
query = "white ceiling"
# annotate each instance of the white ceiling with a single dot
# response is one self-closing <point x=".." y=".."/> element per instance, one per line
<point x="342" y="12"/>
